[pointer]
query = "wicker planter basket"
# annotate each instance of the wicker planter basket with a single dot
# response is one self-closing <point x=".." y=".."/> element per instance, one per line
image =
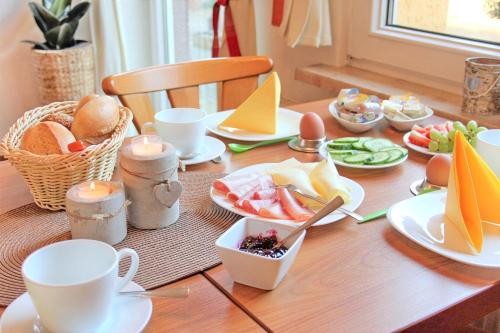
<point x="65" y="75"/>
<point x="49" y="177"/>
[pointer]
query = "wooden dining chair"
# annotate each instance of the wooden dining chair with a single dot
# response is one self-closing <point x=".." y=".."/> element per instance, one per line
<point x="236" y="77"/>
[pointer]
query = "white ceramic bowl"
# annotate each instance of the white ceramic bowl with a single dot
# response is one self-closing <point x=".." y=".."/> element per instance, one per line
<point x="349" y="125"/>
<point x="251" y="269"/>
<point x="407" y="125"/>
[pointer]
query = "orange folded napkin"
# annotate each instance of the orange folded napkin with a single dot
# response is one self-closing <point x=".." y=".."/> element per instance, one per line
<point x="473" y="193"/>
<point x="259" y="113"/>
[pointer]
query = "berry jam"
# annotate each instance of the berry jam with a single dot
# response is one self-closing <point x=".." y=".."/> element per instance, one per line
<point x="262" y="245"/>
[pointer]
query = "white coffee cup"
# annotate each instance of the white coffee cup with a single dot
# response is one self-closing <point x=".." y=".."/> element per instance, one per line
<point x="72" y="283"/>
<point x="488" y="146"/>
<point x="184" y="128"/>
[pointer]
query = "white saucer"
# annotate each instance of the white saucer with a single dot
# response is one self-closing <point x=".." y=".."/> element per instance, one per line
<point x="288" y="125"/>
<point x="212" y="148"/>
<point x="130" y="314"/>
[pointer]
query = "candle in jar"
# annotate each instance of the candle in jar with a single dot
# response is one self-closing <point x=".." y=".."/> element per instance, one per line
<point x="93" y="190"/>
<point x="147" y="146"/>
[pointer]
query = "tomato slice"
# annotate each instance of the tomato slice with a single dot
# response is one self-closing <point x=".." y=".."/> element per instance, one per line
<point x="419" y="139"/>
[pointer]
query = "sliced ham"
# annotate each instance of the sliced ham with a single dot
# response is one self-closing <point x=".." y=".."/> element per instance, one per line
<point x="261" y="182"/>
<point x="269" y="193"/>
<point x="254" y="206"/>
<point x="292" y="206"/>
<point x="231" y="183"/>
<point x="275" y="211"/>
<point x="239" y="203"/>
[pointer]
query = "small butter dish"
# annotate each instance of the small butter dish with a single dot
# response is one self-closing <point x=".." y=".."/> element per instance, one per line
<point x="252" y="269"/>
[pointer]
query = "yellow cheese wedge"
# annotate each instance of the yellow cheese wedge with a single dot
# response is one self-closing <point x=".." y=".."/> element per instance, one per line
<point x="327" y="182"/>
<point x="259" y="113"/>
<point x="486" y="186"/>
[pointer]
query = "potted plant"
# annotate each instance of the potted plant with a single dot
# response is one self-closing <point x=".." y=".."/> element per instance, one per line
<point x="63" y="64"/>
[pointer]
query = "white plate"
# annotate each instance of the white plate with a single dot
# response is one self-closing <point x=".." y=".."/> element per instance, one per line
<point x="426" y="151"/>
<point x="212" y="148"/>
<point x="130" y="314"/>
<point x="422" y="220"/>
<point x="357" y="196"/>
<point x="349" y="125"/>
<point x="323" y="151"/>
<point x="288" y="125"/>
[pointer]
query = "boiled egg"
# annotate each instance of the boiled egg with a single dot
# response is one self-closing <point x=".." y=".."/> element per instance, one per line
<point x="438" y="170"/>
<point x="312" y="127"/>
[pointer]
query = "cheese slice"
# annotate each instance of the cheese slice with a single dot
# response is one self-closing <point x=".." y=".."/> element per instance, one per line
<point x="259" y="113"/>
<point x="462" y="208"/>
<point x="327" y="182"/>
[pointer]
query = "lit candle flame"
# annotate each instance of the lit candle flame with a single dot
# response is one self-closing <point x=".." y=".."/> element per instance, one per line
<point x="92" y="186"/>
<point x="145" y="140"/>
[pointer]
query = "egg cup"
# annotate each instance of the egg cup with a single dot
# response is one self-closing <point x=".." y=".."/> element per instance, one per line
<point x="422" y="185"/>
<point x="306" y="146"/>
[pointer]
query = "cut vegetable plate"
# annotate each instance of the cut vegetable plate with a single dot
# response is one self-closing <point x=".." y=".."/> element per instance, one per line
<point x="426" y="151"/>
<point x="364" y="152"/>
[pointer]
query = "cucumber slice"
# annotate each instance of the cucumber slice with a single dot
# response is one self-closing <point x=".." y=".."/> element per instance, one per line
<point x="360" y="158"/>
<point x="338" y="157"/>
<point x="375" y="145"/>
<point x="379" y="158"/>
<point x="359" y="144"/>
<point x="339" y="146"/>
<point x="348" y="139"/>
<point x="343" y="152"/>
<point x="401" y="149"/>
<point x="394" y="155"/>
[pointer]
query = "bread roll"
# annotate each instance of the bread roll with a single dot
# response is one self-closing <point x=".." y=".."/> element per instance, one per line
<point x="84" y="101"/>
<point x="96" y="118"/>
<point x="47" y="138"/>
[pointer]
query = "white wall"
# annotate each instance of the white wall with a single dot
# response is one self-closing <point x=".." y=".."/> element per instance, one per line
<point x="286" y="59"/>
<point x="18" y="89"/>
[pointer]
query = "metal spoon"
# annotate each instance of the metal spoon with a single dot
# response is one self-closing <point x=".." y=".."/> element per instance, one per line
<point x="165" y="293"/>
<point x="295" y="189"/>
<point x="240" y="148"/>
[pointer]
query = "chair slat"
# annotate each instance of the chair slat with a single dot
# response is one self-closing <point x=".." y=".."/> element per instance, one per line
<point x="184" y="97"/>
<point x="235" y="92"/>
<point x="141" y="107"/>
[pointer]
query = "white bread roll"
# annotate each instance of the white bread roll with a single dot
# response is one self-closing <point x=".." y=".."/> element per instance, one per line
<point x="96" y="118"/>
<point x="47" y="138"/>
<point x="84" y="101"/>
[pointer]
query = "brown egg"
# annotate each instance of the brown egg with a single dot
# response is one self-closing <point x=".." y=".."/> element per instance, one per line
<point x="438" y="170"/>
<point x="312" y="127"/>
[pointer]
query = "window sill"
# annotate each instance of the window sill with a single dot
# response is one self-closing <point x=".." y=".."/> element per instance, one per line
<point x="444" y="104"/>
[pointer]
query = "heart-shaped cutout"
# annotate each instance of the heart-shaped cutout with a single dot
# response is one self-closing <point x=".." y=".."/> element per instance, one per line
<point x="169" y="193"/>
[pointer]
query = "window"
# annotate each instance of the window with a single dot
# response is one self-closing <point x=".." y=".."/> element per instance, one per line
<point x="424" y="41"/>
<point x="477" y="20"/>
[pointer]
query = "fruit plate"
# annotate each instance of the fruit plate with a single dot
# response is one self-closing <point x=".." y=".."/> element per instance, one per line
<point x="323" y="152"/>
<point x="426" y="151"/>
<point x="422" y="220"/>
<point x="288" y="125"/>
<point x="357" y="196"/>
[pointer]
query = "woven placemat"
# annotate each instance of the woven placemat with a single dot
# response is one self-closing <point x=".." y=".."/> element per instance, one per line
<point x="166" y="255"/>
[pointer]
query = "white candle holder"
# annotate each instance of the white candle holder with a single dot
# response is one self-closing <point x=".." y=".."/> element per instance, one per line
<point x="102" y="216"/>
<point x="152" y="185"/>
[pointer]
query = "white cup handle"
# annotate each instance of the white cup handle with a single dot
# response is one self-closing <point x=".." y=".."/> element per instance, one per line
<point x="134" y="265"/>
<point x="148" y="127"/>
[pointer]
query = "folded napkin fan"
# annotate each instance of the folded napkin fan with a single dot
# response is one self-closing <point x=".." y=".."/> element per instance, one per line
<point x="259" y="112"/>
<point x="473" y="193"/>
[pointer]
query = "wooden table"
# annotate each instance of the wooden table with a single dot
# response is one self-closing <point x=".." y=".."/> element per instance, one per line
<point x="347" y="277"/>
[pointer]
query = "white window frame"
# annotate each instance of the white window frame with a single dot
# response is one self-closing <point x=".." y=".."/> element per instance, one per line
<point x="423" y="57"/>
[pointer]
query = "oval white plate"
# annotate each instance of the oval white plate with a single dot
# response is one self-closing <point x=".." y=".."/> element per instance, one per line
<point x="426" y="151"/>
<point x="422" y="220"/>
<point x="212" y="148"/>
<point x="357" y="196"/>
<point x="129" y="314"/>
<point x="323" y="151"/>
<point x="349" y="125"/>
<point x="288" y="125"/>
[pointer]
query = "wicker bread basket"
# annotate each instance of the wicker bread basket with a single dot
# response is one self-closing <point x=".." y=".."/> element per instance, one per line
<point x="49" y="177"/>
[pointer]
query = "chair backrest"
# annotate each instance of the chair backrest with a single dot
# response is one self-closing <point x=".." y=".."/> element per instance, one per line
<point x="237" y="78"/>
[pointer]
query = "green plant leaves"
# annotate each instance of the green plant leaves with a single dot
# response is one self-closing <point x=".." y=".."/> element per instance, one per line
<point x="77" y="12"/>
<point x="43" y="18"/>
<point x="59" y="7"/>
<point x="36" y="45"/>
